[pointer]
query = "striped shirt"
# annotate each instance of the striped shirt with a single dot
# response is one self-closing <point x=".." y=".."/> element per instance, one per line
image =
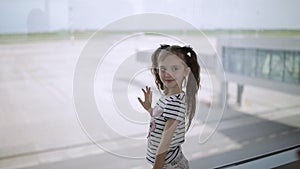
<point x="173" y="107"/>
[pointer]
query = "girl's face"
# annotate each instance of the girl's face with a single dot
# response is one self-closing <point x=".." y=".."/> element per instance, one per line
<point x="172" y="71"/>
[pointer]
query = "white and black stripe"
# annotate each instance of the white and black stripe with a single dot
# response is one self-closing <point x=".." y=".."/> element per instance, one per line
<point x="173" y="107"/>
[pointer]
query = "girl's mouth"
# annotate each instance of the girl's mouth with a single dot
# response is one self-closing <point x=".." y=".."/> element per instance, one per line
<point x="169" y="80"/>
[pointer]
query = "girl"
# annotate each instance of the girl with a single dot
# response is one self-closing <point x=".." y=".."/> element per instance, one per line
<point x="174" y="68"/>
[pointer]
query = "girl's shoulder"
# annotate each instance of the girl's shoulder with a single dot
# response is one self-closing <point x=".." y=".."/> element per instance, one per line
<point x="177" y="98"/>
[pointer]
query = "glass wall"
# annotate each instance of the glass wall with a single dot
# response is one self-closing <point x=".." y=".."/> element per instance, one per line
<point x="46" y="44"/>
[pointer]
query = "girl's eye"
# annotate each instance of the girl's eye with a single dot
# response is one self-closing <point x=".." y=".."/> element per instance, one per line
<point x="174" y="69"/>
<point x="162" y="69"/>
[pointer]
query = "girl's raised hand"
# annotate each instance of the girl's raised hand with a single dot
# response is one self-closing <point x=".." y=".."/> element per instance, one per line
<point x="148" y="98"/>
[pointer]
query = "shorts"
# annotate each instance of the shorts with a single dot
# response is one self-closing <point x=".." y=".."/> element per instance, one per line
<point x="180" y="162"/>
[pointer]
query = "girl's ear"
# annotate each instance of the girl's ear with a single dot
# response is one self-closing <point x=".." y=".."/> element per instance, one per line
<point x="187" y="71"/>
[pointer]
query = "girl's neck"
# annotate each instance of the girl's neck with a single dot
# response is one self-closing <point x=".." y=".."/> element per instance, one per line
<point x="170" y="92"/>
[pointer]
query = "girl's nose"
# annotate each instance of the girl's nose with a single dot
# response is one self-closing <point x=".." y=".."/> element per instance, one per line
<point x="167" y="74"/>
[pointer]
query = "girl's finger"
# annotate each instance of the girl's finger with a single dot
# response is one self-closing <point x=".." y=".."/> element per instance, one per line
<point x="140" y="100"/>
<point x="150" y="96"/>
<point x="144" y="91"/>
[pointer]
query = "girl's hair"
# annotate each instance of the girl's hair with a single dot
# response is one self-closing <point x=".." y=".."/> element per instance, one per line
<point x="188" y="55"/>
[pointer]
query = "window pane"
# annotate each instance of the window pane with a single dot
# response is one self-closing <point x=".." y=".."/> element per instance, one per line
<point x="249" y="62"/>
<point x="234" y="60"/>
<point x="277" y="64"/>
<point x="291" y="71"/>
<point x="263" y="64"/>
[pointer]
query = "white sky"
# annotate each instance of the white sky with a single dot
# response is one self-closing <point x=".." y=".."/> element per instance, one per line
<point x="204" y="14"/>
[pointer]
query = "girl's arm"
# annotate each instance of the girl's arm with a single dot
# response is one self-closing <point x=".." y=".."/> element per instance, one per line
<point x="164" y="145"/>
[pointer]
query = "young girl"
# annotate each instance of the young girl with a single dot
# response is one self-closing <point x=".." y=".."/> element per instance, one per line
<point x="174" y="68"/>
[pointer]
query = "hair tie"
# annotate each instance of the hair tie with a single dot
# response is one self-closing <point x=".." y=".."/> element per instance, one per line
<point x="189" y="54"/>
<point x="187" y="49"/>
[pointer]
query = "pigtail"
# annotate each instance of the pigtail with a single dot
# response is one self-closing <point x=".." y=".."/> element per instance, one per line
<point x="193" y="83"/>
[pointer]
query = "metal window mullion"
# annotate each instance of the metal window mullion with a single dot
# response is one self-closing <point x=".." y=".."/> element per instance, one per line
<point x="298" y="68"/>
<point x="293" y="66"/>
<point x="224" y="58"/>
<point x="270" y="65"/>
<point x="256" y="62"/>
<point x="243" y="61"/>
<point x="284" y="66"/>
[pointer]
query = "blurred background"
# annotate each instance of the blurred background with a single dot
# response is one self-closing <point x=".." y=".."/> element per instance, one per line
<point x="248" y="107"/>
